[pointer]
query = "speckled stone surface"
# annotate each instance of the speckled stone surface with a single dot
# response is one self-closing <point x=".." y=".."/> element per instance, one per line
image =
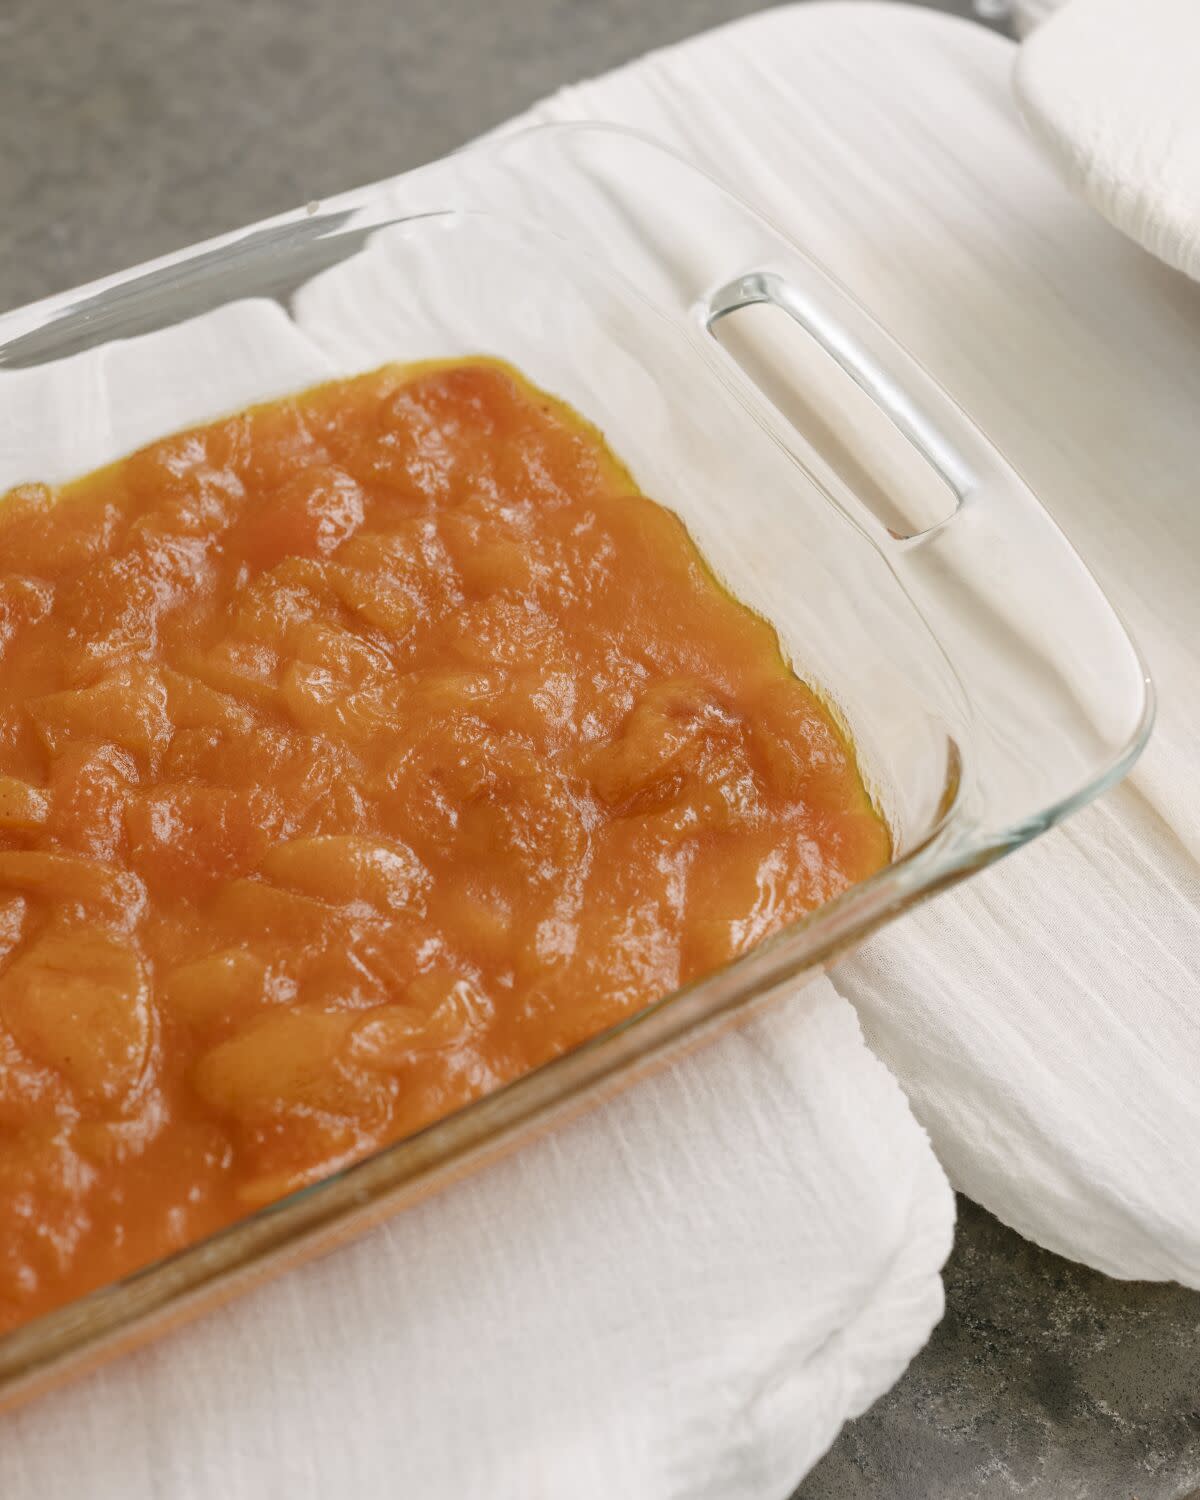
<point x="132" y="127"/>
<point x="1044" y="1380"/>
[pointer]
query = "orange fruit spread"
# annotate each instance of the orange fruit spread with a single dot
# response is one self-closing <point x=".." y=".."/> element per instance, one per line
<point x="358" y="753"/>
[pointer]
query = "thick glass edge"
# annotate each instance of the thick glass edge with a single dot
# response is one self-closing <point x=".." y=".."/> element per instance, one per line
<point x="40" y="1352"/>
<point x="45" y="1349"/>
<point x="382" y="1182"/>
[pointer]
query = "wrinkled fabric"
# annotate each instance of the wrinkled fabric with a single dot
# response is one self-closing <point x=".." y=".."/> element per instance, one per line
<point x="1108" y="88"/>
<point x="1044" y="1019"/>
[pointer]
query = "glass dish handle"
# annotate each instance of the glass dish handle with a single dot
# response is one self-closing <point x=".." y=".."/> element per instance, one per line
<point x="1058" y="703"/>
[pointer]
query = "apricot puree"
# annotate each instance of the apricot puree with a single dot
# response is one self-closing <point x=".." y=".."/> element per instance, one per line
<point x="357" y="754"/>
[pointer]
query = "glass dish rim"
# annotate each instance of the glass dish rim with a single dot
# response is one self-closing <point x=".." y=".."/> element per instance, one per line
<point x="337" y="1207"/>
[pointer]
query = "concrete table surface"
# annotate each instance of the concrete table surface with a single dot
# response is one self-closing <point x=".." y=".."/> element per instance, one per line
<point x="137" y="126"/>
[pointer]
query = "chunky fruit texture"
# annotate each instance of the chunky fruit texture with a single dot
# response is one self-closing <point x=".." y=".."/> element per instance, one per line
<point x="357" y="754"/>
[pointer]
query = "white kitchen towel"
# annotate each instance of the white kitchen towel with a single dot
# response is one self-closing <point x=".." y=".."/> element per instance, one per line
<point x="885" y="140"/>
<point x="680" y="1297"/>
<point x="1045" y="1018"/>
<point x="1111" y="91"/>
<point x="683" y="1294"/>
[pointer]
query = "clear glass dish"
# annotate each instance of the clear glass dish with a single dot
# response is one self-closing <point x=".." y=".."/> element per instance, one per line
<point x="987" y="683"/>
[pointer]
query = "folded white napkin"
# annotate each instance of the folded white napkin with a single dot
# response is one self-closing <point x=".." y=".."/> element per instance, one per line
<point x="1045" y="1018"/>
<point x="682" y="1294"/>
<point x="1111" y="90"/>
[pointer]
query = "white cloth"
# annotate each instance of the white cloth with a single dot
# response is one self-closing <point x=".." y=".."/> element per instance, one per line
<point x="885" y="140"/>
<point x="1045" y="1018"/>
<point x="683" y="1294"/>
<point x="1111" y="90"/>
<point x="679" y="1298"/>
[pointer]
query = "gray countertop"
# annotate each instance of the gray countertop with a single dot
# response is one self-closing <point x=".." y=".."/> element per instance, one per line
<point x="133" y="127"/>
<point x="1043" y="1380"/>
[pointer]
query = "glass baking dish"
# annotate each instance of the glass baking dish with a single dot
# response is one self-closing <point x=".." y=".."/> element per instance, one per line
<point x="989" y="687"/>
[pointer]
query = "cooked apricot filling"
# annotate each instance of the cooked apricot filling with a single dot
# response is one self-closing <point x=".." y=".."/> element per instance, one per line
<point x="357" y="754"/>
